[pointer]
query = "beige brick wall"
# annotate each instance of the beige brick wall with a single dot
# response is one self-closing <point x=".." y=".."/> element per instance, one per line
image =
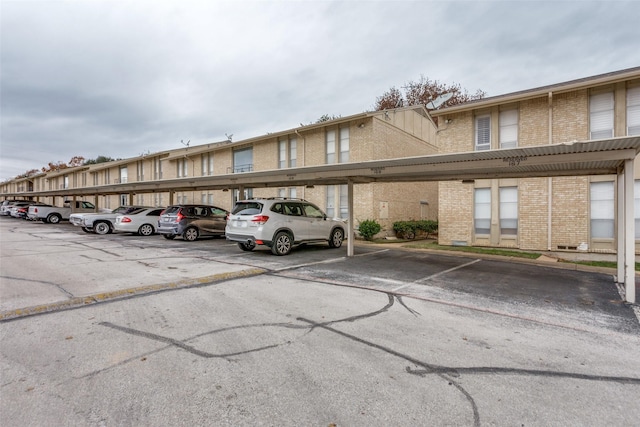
<point x="455" y="212"/>
<point x="533" y="209"/>
<point x="571" y="116"/>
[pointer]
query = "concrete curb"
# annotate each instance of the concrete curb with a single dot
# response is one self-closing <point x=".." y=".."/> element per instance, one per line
<point x="124" y="293"/>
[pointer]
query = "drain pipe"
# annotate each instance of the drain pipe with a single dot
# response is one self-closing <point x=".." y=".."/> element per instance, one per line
<point x="550" y="179"/>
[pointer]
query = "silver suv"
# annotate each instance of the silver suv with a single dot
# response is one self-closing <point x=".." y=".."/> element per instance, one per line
<point x="280" y="224"/>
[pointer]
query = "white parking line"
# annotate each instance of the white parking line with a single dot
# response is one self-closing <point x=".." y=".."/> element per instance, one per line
<point x="291" y="267"/>
<point x="424" y="279"/>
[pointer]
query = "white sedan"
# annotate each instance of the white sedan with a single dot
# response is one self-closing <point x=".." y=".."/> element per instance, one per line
<point x="141" y="221"/>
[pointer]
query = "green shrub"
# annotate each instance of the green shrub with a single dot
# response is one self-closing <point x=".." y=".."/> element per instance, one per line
<point x="369" y="228"/>
<point x="409" y="229"/>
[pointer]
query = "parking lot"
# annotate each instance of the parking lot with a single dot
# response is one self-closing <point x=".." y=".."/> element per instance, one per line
<point x="123" y="330"/>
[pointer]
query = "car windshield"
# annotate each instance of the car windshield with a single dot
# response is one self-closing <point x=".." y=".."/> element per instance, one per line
<point x="247" y="208"/>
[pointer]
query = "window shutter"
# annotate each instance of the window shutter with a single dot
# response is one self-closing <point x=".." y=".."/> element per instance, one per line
<point x="483" y="133"/>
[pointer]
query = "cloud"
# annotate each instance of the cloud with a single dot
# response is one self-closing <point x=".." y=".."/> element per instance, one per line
<point x="120" y="78"/>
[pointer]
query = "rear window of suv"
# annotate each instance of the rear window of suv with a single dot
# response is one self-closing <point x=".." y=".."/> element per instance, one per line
<point x="247" y="208"/>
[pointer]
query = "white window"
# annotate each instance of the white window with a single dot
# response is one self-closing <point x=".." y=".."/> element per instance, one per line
<point x="293" y="152"/>
<point x="602" y="210"/>
<point x="482" y="210"/>
<point x="206" y="198"/>
<point x="66" y="181"/>
<point x="183" y="167"/>
<point x="509" y="129"/>
<point x="107" y="176"/>
<point x="157" y="168"/>
<point x="331" y="201"/>
<point x="207" y="164"/>
<point x="157" y="199"/>
<point x="124" y="200"/>
<point x="483" y="133"/>
<point x="344" y="145"/>
<point x="633" y="111"/>
<point x="601" y="115"/>
<point x="282" y="154"/>
<point x="636" y="206"/>
<point x="123" y="175"/>
<point x="344" y="201"/>
<point x="509" y="210"/>
<point x="331" y="146"/>
<point x="140" y="170"/>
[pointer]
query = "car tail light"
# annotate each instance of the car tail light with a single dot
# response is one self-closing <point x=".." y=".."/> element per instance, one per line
<point x="179" y="217"/>
<point x="125" y="219"/>
<point x="260" y="219"/>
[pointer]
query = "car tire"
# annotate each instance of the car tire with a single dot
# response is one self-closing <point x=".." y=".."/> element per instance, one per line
<point x="86" y="230"/>
<point x="169" y="236"/>
<point x="102" y="227"/>
<point x="190" y="234"/>
<point x="53" y="219"/>
<point x="248" y="247"/>
<point x="282" y="244"/>
<point x="337" y="236"/>
<point x="146" y="230"/>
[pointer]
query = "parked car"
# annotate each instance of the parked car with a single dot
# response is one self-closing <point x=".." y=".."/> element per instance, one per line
<point x="12" y="210"/>
<point x="142" y="221"/>
<point x="280" y="224"/>
<point x="101" y="222"/>
<point x="192" y="221"/>
<point x="55" y="214"/>
<point x="5" y="208"/>
<point x="21" y="211"/>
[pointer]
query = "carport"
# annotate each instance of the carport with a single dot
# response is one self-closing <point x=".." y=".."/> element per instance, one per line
<point x="614" y="156"/>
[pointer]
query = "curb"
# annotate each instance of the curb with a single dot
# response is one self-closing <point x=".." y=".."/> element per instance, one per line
<point x="124" y="293"/>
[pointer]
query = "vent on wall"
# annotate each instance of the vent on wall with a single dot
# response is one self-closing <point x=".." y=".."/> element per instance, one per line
<point x="567" y="248"/>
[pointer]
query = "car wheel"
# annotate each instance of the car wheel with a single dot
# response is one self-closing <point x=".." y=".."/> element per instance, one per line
<point x="337" y="236"/>
<point x="247" y="246"/>
<point x="190" y="234"/>
<point x="169" y="236"/>
<point x="145" y="230"/>
<point x="86" y="230"/>
<point x="53" y="219"/>
<point x="102" y="228"/>
<point x="282" y="244"/>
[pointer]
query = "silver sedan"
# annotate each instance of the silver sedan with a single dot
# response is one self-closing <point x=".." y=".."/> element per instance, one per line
<point x="141" y="221"/>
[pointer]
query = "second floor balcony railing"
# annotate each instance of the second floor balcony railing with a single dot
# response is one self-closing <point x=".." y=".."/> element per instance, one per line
<point x="241" y="168"/>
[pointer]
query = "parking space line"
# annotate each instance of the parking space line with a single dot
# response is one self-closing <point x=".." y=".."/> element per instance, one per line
<point x="327" y="261"/>
<point x="424" y="279"/>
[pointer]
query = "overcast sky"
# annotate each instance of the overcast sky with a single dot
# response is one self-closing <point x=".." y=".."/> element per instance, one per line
<point x="121" y="78"/>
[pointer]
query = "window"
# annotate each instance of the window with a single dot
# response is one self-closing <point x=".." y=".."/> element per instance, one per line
<point x="636" y="206"/>
<point x="344" y="145"/>
<point x="107" y="176"/>
<point x="206" y="198"/>
<point x="123" y="175"/>
<point x="66" y="181"/>
<point x="293" y="152"/>
<point x="183" y="167"/>
<point x="601" y="115"/>
<point x="482" y="210"/>
<point x="287" y="153"/>
<point x="140" y="170"/>
<point x="602" y="210"/>
<point x="633" y="111"/>
<point x="243" y="160"/>
<point x="331" y="201"/>
<point x="509" y="210"/>
<point x="344" y="201"/>
<point x="509" y="129"/>
<point x="124" y="199"/>
<point x="206" y="165"/>
<point x="331" y="146"/>
<point x="157" y="199"/>
<point x="157" y="168"/>
<point x="95" y="178"/>
<point x="282" y="154"/>
<point x="483" y="133"/>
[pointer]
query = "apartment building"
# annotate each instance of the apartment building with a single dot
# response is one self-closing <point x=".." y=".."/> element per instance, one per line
<point x="553" y="213"/>
<point x="400" y="132"/>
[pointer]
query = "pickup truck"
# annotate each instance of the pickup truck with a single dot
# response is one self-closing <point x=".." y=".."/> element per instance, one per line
<point x="101" y="223"/>
<point x="55" y="214"/>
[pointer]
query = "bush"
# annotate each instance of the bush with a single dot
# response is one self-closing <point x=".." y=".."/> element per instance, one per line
<point x="369" y="228"/>
<point x="410" y="229"/>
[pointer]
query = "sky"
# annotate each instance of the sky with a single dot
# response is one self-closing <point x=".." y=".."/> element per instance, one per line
<point x="124" y="78"/>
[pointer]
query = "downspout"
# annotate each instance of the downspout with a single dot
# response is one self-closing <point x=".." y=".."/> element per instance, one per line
<point x="550" y="179"/>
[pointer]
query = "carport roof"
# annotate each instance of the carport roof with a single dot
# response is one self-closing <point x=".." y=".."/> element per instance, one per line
<point x="594" y="157"/>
